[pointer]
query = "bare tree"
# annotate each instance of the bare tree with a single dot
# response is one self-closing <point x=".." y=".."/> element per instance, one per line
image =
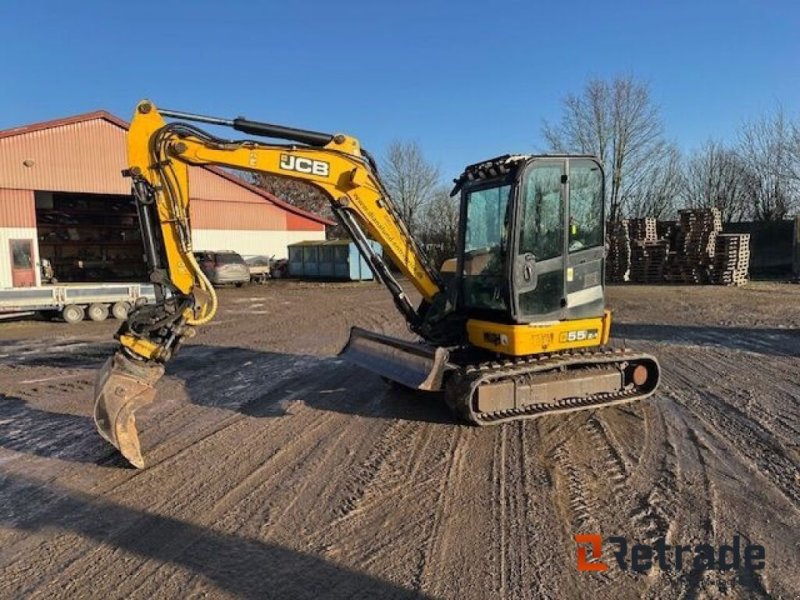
<point x="618" y="122"/>
<point x="768" y="145"/>
<point x="411" y="180"/>
<point x="717" y="177"/>
<point x="438" y="229"/>
<point x="658" y="186"/>
<point x="795" y="149"/>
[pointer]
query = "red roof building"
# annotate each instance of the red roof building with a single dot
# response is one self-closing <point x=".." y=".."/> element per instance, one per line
<point x="63" y="198"/>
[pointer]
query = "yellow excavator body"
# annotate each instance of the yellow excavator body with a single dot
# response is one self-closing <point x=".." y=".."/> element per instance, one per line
<point x="514" y="327"/>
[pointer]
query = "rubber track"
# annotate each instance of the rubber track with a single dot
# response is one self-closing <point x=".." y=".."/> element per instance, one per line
<point x="462" y="385"/>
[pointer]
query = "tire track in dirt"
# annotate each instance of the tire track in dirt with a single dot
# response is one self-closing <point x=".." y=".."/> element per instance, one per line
<point x="612" y="491"/>
<point x="499" y="475"/>
<point x="527" y="521"/>
<point x="497" y="535"/>
<point x="517" y="557"/>
<point x="702" y="517"/>
<point x="616" y="466"/>
<point x="273" y="473"/>
<point x="584" y="514"/>
<point x="761" y="448"/>
<point x="290" y="494"/>
<point x="654" y="510"/>
<point x="372" y="494"/>
<point x="183" y="499"/>
<point x="393" y="438"/>
<point x="437" y="539"/>
<point x="167" y="465"/>
<point x="535" y="558"/>
<point x="697" y="500"/>
<point x="691" y="507"/>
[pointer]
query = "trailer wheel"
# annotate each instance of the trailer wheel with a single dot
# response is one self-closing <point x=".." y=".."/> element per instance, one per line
<point x="120" y="310"/>
<point x="98" y="312"/>
<point x="73" y="313"/>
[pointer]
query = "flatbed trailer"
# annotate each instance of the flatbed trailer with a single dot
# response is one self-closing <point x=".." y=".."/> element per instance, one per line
<point x="75" y="301"/>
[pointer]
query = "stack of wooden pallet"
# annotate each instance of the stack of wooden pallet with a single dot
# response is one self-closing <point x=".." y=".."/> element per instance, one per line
<point x="691" y="257"/>
<point x="648" y="260"/>
<point x="645" y="229"/>
<point x="731" y="259"/>
<point x="666" y="230"/>
<point x="648" y="254"/>
<point x="618" y="261"/>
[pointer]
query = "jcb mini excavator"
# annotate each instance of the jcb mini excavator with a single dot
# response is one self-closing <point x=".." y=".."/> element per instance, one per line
<point x="514" y="327"/>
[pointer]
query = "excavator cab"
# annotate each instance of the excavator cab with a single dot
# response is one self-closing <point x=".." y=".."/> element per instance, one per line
<point x="531" y="244"/>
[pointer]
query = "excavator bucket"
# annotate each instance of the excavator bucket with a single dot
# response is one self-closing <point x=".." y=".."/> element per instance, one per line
<point x="121" y="387"/>
<point x="412" y="364"/>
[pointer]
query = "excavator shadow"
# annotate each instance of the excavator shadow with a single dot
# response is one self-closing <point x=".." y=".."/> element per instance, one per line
<point x="252" y="382"/>
<point x="31" y="430"/>
<point x="223" y="563"/>
<point x="768" y="341"/>
<point x="266" y="384"/>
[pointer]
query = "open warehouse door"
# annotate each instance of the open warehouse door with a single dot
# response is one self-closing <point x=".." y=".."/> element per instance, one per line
<point x="89" y="237"/>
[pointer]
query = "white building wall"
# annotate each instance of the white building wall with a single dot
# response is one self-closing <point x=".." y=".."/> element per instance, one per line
<point x="251" y="243"/>
<point x="16" y="233"/>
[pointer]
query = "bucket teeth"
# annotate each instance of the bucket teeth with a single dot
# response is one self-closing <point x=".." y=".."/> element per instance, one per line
<point x="122" y="386"/>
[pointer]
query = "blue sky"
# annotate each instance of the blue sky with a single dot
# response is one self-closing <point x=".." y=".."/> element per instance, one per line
<point x="466" y="80"/>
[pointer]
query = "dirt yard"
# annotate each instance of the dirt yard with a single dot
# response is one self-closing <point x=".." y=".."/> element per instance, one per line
<point x="277" y="471"/>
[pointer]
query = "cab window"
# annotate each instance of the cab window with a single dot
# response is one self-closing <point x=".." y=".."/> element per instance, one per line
<point x="542" y="216"/>
<point x="585" y="205"/>
<point x="483" y="270"/>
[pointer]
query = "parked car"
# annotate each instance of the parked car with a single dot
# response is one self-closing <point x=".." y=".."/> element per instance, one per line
<point x="260" y="268"/>
<point x="223" y="267"/>
<point x="279" y="268"/>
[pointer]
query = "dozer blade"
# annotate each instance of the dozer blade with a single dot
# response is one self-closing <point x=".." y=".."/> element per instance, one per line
<point x="122" y="386"/>
<point x="414" y="365"/>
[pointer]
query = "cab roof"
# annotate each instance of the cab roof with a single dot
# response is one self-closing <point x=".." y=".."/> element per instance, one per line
<point x="501" y="166"/>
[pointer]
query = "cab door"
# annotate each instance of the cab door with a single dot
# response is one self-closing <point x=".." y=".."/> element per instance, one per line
<point x="537" y="272"/>
<point x="585" y="239"/>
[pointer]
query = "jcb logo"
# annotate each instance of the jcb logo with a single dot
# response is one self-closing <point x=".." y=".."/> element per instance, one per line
<point x="596" y="542"/>
<point x="305" y="165"/>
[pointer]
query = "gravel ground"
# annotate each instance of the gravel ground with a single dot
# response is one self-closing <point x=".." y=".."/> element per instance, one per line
<point x="278" y="471"/>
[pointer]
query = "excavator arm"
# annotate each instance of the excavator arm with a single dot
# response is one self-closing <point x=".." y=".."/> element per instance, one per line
<point x="160" y="155"/>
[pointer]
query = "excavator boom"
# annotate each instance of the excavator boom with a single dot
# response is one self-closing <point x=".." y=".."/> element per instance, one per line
<point x="160" y="155"/>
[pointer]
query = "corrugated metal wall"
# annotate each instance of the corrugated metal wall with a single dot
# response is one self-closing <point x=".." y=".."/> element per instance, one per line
<point x="251" y="243"/>
<point x="78" y="157"/>
<point x="213" y="207"/>
<point x="299" y="223"/>
<point x="86" y="155"/>
<point x="210" y="186"/>
<point x="17" y="208"/>
<point x="214" y="214"/>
